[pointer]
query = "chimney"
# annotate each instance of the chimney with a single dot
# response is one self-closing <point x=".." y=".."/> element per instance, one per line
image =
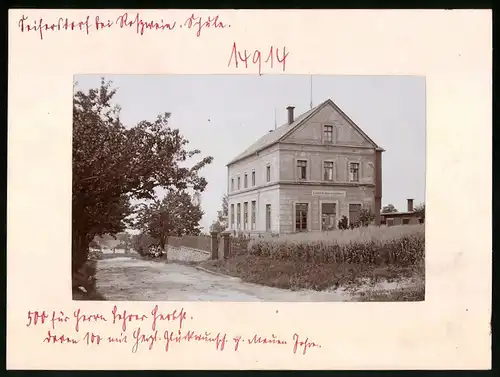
<point x="290" y="114"/>
<point x="410" y="205"/>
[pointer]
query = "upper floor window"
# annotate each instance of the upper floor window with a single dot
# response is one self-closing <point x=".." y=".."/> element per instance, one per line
<point x="253" y="178"/>
<point x="354" y="171"/>
<point x="239" y="180"/>
<point x="245" y="181"/>
<point x="268" y="173"/>
<point x="328" y="171"/>
<point x="328" y="134"/>
<point x="232" y="184"/>
<point x="301" y="169"/>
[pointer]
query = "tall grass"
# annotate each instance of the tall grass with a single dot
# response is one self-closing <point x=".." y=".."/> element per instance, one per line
<point x="399" y="245"/>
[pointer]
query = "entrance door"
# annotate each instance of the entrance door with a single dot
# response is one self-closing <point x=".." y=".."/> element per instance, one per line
<point x="328" y="216"/>
<point x="301" y="212"/>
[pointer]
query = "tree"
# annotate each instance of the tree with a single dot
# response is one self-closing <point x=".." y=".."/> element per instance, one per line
<point x="420" y="209"/>
<point x="366" y="216"/>
<point x="141" y="243"/>
<point x="389" y="209"/>
<point x="175" y="215"/>
<point x="221" y="223"/>
<point x="113" y="164"/>
<point x="94" y="245"/>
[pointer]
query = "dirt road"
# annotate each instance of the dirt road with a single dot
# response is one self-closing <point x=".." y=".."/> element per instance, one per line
<point x="134" y="279"/>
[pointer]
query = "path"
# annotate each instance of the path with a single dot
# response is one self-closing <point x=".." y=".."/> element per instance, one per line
<point x="132" y="279"/>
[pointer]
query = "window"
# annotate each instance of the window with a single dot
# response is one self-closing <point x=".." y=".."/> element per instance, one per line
<point x="245" y="215"/>
<point x="301" y="210"/>
<point x="301" y="169"/>
<point x="268" y="217"/>
<point x="328" y="171"/>
<point x="390" y="222"/>
<point x="232" y="184"/>
<point x="238" y="216"/>
<point x="232" y="216"/>
<point x="245" y="181"/>
<point x="239" y="183"/>
<point x="354" y="171"/>
<point x="406" y="221"/>
<point x="354" y="210"/>
<point x="328" y="216"/>
<point x="254" y="205"/>
<point x="253" y="178"/>
<point x="328" y="134"/>
<point x="268" y="173"/>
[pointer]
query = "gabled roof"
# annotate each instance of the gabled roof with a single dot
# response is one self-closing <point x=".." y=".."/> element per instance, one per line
<point x="283" y="131"/>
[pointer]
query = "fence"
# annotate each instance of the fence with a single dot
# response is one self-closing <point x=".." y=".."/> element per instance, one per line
<point x="217" y="246"/>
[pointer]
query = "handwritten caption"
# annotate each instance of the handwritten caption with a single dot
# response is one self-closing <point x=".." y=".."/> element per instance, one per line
<point x="151" y="330"/>
<point x="257" y="58"/>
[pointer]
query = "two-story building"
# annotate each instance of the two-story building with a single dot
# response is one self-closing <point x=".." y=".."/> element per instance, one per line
<point x="305" y="175"/>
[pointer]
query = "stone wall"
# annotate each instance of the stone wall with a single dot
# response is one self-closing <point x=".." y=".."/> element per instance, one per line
<point x="186" y="254"/>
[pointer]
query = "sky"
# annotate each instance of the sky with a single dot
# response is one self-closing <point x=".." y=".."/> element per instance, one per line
<point x="224" y="114"/>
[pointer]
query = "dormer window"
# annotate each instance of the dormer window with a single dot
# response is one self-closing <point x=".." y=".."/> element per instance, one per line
<point x="328" y="134"/>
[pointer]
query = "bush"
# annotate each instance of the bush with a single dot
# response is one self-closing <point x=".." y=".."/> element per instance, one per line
<point x="397" y="245"/>
<point x="366" y="216"/>
<point x="343" y="223"/>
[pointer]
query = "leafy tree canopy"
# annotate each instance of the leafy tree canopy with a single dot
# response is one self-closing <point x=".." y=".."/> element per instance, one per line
<point x="113" y="164"/>
<point x="220" y="224"/>
<point x="389" y="209"/>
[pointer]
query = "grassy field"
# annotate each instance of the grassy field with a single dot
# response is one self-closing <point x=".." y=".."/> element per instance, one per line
<point x="327" y="260"/>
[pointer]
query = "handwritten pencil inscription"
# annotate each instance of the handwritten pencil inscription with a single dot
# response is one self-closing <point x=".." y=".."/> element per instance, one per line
<point x="158" y="328"/>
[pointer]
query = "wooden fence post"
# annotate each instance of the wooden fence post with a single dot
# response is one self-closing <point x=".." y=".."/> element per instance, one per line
<point x="214" y="245"/>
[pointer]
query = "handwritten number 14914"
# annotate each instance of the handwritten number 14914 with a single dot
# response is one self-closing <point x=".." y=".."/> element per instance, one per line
<point x="256" y="58"/>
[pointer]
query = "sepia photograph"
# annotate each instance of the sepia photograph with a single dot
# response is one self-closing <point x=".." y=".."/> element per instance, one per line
<point x="284" y="188"/>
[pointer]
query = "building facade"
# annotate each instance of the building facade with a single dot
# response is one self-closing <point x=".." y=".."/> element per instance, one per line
<point x="305" y="175"/>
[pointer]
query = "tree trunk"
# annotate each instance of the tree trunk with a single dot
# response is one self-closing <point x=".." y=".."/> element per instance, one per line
<point x="79" y="250"/>
<point x="163" y="243"/>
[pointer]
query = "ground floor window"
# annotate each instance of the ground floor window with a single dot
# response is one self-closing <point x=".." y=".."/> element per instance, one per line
<point x="301" y="212"/>
<point x="354" y="211"/>
<point x="238" y="216"/>
<point x="328" y="216"/>
<point x="268" y="217"/>
<point x="245" y="215"/>
<point x="254" y="205"/>
<point x="232" y="216"/>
